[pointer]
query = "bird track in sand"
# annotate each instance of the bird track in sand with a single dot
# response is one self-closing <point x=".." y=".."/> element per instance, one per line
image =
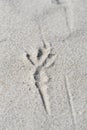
<point x="43" y="60"/>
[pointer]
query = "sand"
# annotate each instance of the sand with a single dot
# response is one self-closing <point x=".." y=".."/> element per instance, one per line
<point x="43" y="65"/>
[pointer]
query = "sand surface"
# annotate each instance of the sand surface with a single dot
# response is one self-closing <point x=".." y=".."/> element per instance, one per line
<point x="59" y="29"/>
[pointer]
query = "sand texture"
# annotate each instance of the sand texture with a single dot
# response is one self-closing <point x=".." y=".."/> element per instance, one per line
<point x="43" y="64"/>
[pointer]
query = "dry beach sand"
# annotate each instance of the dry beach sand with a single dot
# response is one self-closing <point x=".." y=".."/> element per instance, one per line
<point x="43" y="64"/>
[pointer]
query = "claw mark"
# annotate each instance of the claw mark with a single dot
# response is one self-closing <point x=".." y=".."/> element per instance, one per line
<point x="70" y="102"/>
<point x="44" y="55"/>
<point x="28" y="57"/>
<point x="40" y="53"/>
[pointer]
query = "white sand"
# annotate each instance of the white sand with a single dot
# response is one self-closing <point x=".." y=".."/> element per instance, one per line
<point x="23" y="26"/>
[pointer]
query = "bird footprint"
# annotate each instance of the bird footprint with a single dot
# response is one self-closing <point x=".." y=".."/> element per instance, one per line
<point x="44" y="59"/>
